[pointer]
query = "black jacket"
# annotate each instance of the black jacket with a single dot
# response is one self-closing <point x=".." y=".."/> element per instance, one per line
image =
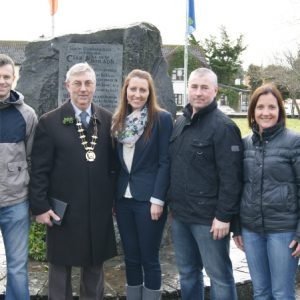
<point x="206" y="166"/>
<point x="271" y="194"/>
<point x="60" y="170"/>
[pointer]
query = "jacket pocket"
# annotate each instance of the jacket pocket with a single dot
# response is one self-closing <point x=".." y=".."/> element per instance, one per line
<point x="275" y="199"/>
<point x="202" y="150"/>
<point x="17" y="175"/>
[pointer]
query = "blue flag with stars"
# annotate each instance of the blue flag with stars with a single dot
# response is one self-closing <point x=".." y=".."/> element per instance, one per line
<point x="192" y="21"/>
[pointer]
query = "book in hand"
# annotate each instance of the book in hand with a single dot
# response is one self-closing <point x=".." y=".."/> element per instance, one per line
<point x="59" y="207"/>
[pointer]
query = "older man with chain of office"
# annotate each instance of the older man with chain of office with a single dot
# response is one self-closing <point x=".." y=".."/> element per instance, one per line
<point x="72" y="166"/>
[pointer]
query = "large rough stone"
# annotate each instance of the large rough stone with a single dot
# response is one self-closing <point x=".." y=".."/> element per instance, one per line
<point x="141" y="49"/>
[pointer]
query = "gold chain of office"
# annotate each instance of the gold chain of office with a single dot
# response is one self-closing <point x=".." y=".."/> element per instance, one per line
<point x="89" y="149"/>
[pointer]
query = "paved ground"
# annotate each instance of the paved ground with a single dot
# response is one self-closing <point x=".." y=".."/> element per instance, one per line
<point x="114" y="277"/>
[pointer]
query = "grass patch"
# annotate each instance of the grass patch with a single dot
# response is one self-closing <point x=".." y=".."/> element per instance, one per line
<point x="242" y="123"/>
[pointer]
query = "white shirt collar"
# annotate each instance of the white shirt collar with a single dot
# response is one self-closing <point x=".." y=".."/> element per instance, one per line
<point x="78" y="111"/>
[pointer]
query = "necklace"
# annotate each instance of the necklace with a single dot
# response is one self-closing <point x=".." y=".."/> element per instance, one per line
<point x="89" y="149"/>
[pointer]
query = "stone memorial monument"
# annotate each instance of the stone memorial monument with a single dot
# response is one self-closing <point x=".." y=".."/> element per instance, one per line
<point x="113" y="53"/>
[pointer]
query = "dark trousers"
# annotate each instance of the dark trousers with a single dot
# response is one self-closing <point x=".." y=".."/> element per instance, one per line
<point x="60" y="285"/>
<point x="141" y="239"/>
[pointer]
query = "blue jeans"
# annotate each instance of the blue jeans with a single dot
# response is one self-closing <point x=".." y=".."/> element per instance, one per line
<point x="195" y="249"/>
<point x="141" y="238"/>
<point x="271" y="265"/>
<point x="14" y="224"/>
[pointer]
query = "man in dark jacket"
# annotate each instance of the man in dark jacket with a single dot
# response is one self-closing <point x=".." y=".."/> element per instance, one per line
<point x="72" y="161"/>
<point x="206" y="174"/>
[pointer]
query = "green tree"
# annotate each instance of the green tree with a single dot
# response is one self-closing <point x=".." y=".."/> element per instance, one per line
<point x="193" y="41"/>
<point x="255" y="76"/>
<point x="224" y="56"/>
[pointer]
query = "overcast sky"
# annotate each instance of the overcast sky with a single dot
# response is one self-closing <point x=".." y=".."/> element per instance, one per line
<point x="269" y="27"/>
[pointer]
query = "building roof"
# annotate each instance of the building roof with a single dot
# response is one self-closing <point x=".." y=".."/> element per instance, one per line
<point x="14" y="49"/>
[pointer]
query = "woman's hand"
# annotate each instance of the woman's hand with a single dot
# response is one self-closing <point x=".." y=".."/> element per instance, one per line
<point x="114" y="211"/>
<point x="296" y="246"/>
<point x="238" y="240"/>
<point x="156" y="211"/>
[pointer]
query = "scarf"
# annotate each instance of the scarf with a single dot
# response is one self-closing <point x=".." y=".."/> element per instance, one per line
<point x="134" y="126"/>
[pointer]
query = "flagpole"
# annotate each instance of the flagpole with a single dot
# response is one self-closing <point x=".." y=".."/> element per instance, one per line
<point x="53" y="9"/>
<point x="190" y="27"/>
<point x="53" y="32"/>
<point x="186" y="54"/>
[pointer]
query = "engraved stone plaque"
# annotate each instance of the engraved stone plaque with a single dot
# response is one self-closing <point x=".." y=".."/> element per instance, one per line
<point x="106" y="60"/>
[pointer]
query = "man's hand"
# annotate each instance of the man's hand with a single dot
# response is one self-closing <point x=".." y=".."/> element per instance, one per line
<point x="45" y="218"/>
<point x="156" y="211"/>
<point x="219" y="229"/>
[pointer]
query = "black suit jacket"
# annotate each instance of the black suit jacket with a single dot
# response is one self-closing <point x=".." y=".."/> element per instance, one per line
<point x="60" y="170"/>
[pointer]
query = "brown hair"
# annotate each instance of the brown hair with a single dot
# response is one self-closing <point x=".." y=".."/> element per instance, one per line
<point x="123" y="107"/>
<point x="264" y="90"/>
<point x="6" y="60"/>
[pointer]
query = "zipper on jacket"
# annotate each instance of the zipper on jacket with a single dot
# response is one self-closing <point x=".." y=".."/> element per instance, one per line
<point x="261" y="182"/>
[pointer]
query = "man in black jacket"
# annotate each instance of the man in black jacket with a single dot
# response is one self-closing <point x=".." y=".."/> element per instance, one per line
<point x="206" y="175"/>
